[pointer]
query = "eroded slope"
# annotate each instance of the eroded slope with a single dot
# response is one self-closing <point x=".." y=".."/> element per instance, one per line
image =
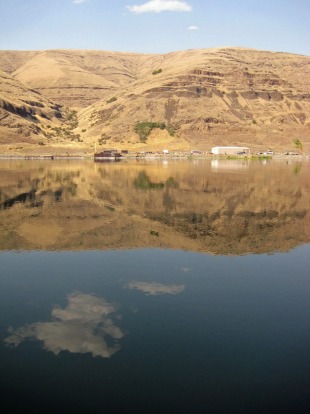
<point x="24" y="112"/>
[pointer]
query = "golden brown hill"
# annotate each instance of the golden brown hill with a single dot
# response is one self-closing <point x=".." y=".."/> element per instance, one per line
<point x="209" y="97"/>
<point x="76" y="78"/>
<point x="180" y="100"/>
<point x="24" y="113"/>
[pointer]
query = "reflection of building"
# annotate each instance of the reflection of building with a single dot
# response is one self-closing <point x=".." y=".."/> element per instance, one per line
<point x="229" y="165"/>
<point x="230" y="150"/>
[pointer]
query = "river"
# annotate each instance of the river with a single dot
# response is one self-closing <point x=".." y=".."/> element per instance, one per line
<point x="154" y="286"/>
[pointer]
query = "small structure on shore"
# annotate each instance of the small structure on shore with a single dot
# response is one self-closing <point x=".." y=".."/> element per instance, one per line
<point x="230" y="150"/>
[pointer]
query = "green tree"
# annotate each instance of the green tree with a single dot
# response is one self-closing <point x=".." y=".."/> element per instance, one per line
<point x="298" y="144"/>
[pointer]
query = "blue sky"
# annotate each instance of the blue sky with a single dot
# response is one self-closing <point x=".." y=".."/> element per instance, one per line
<point x="155" y="26"/>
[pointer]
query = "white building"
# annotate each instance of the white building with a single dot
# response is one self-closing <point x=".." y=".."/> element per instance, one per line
<point x="230" y="150"/>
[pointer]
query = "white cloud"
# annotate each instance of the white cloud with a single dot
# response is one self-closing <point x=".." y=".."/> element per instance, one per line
<point x="193" y="28"/>
<point x="82" y="327"/>
<point x="158" y="6"/>
<point x="79" y="1"/>
<point x="154" y="288"/>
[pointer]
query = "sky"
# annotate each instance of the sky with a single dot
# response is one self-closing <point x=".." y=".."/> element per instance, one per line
<point x="155" y="26"/>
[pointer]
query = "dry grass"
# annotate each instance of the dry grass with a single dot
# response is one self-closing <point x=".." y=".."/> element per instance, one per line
<point x="224" y="96"/>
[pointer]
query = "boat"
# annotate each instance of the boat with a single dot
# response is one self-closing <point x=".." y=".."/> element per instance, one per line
<point x="109" y="155"/>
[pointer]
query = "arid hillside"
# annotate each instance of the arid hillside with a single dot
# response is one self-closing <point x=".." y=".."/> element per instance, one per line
<point x="76" y="78"/>
<point x="24" y="112"/>
<point x="181" y="100"/>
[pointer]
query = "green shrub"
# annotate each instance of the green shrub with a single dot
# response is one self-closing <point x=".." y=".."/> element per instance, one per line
<point x="113" y="99"/>
<point x="143" y="129"/>
<point x="171" y="130"/>
<point x="71" y="115"/>
<point x="110" y="208"/>
<point x="157" y="71"/>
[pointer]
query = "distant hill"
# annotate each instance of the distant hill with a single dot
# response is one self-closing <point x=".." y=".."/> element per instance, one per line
<point x="181" y="100"/>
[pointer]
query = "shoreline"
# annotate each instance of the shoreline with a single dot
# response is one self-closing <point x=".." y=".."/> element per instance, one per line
<point x="179" y="155"/>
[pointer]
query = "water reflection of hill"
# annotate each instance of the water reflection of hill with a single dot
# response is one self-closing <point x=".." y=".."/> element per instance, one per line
<point x="83" y="205"/>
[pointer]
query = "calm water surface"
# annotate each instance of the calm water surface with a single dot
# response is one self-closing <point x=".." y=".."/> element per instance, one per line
<point x="152" y="287"/>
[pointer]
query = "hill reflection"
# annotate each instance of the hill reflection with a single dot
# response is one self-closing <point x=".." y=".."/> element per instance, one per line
<point x="222" y="208"/>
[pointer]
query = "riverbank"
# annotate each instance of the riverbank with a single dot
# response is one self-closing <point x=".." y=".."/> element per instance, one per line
<point x="178" y="155"/>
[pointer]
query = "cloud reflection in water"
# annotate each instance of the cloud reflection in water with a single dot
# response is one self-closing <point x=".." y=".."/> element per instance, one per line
<point x="83" y="326"/>
<point x="154" y="288"/>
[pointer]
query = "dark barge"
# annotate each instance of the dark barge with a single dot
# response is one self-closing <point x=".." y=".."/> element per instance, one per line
<point x="109" y="155"/>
